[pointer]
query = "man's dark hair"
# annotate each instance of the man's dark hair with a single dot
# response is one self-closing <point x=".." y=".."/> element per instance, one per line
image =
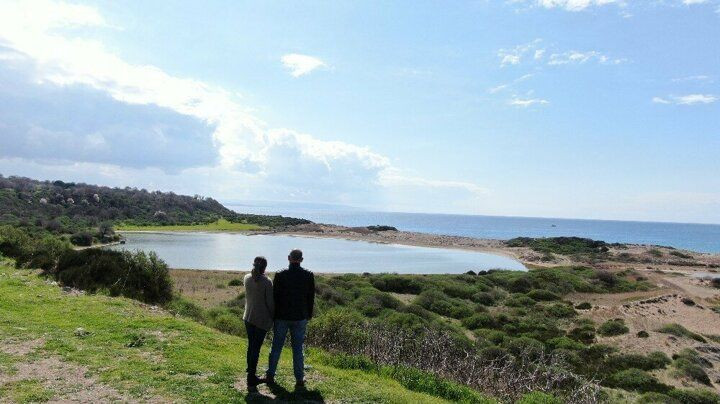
<point x="295" y="255"/>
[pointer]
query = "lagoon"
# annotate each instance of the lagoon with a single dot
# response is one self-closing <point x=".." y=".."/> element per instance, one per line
<point x="232" y="251"/>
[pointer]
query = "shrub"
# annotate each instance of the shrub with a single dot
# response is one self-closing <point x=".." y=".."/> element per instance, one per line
<point x="483" y="298"/>
<point x="655" y="252"/>
<point x="397" y="284"/>
<point x="612" y="328"/>
<point x="524" y="346"/>
<point x="564" y="343"/>
<point x="440" y="303"/>
<point x="690" y="364"/>
<point x="83" y="238"/>
<point x="495" y="336"/>
<point x="226" y="322"/>
<point x="584" y="333"/>
<point x="643" y="334"/>
<point x="480" y="320"/>
<point x="371" y="302"/>
<point x="636" y="380"/>
<point x="584" y="306"/>
<point x="519" y="300"/>
<point x="186" y="308"/>
<point x="608" y="279"/>
<point x="692" y="371"/>
<point x="136" y="275"/>
<point x="537" y="397"/>
<point x="656" y="398"/>
<point x="680" y="255"/>
<point x="560" y="310"/>
<point x="680" y="331"/>
<point x="235" y="282"/>
<point x="695" y="396"/>
<point x="654" y="360"/>
<point x="543" y="295"/>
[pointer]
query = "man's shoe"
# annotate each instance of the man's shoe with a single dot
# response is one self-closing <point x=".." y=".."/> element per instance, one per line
<point x="300" y="385"/>
<point x="269" y="380"/>
<point x="252" y="389"/>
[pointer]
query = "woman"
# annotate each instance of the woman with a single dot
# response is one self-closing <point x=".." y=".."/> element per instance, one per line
<point x="258" y="316"/>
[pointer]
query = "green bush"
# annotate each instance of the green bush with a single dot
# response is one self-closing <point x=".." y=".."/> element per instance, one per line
<point x="690" y="364"/>
<point x="584" y="333"/>
<point x="82" y="238"/>
<point x="612" y="328"/>
<point x="495" y="336"/>
<point x="656" y="398"/>
<point x="484" y="298"/>
<point x="636" y="380"/>
<point x="235" y="282"/>
<point x="692" y="371"/>
<point x="695" y="396"/>
<point x="397" y="284"/>
<point x="186" y="308"/>
<point x="654" y="360"/>
<point x="519" y="300"/>
<point x="226" y="321"/>
<point x="481" y="320"/>
<point x="680" y="331"/>
<point x="584" y="306"/>
<point x="440" y="303"/>
<point x="560" y="310"/>
<point x="543" y="295"/>
<point x="136" y="275"/>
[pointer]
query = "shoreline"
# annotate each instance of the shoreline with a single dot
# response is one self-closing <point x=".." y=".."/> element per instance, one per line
<point x="627" y="256"/>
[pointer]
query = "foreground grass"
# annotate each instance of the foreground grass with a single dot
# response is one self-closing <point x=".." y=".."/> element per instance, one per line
<point x="148" y="354"/>
<point x="220" y="225"/>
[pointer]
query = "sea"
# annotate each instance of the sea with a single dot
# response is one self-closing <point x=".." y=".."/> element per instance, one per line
<point x="690" y="236"/>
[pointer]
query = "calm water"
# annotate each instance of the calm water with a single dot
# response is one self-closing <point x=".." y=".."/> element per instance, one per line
<point x="696" y="237"/>
<point x="236" y="252"/>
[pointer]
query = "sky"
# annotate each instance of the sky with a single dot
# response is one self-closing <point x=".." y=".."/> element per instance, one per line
<point x="600" y="109"/>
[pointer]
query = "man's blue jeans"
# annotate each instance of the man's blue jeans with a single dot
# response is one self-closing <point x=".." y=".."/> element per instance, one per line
<point x="297" y="337"/>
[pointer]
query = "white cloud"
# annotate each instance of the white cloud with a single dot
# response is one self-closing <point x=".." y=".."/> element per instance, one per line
<point x="691" y="2"/>
<point x="576" y="57"/>
<point x="300" y="65"/>
<point x="527" y="102"/>
<point x="506" y="86"/>
<point x="690" y="99"/>
<point x="574" y="5"/>
<point x="699" y="77"/>
<point x="660" y="100"/>
<point x="514" y="55"/>
<point x="276" y="161"/>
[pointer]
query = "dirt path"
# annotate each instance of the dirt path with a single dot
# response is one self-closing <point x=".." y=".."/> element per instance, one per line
<point x="50" y="379"/>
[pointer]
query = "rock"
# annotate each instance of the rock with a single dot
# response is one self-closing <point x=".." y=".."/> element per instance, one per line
<point x="688" y="301"/>
<point x="81" y="332"/>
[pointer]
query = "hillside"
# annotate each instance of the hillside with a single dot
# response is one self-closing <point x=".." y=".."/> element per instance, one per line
<point x="52" y="348"/>
<point x="65" y="208"/>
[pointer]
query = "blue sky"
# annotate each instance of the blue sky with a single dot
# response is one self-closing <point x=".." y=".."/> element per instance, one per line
<point x="563" y="108"/>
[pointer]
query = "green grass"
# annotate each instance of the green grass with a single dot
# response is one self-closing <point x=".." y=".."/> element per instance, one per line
<point x="220" y="225"/>
<point x="178" y="359"/>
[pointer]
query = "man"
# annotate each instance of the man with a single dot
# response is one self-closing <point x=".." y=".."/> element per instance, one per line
<point x="294" y="294"/>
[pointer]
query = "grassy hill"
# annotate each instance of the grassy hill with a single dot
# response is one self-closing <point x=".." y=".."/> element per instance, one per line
<point x="57" y="345"/>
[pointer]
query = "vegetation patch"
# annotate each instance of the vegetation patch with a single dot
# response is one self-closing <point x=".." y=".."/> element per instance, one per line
<point x="612" y="328"/>
<point x="680" y="331"/>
